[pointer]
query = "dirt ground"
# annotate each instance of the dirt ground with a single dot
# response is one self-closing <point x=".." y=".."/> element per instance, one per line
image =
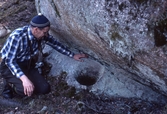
<point x="63" y="99"/>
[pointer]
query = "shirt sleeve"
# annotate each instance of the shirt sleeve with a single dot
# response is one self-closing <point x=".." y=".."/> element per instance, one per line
<point x="11" y="56"/>
<point x="58" y="46"/>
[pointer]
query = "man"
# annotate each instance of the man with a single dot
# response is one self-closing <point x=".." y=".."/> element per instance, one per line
<point x="18" y="64"/>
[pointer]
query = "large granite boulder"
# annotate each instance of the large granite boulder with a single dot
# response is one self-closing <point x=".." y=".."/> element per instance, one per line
<point x="125" y="41"/>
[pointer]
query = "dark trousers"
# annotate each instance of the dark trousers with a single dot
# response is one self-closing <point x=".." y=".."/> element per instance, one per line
<point x="40" y="84"/>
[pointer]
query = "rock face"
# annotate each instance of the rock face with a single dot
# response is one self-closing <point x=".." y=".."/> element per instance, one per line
<point x="119" y="36"/>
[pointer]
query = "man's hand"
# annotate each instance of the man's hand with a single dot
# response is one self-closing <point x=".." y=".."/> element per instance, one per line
<point x="79" y="56"/>
<point x="28" y="85"/>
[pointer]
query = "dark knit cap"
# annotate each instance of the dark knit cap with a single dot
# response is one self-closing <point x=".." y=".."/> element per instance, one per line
<point x="40" y="21"/>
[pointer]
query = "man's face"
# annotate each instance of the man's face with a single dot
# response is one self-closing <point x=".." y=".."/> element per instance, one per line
<point x="40" y="33"/>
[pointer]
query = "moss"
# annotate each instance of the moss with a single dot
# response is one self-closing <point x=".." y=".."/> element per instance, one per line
<point x="139" y="1"/>
<point x="115" y="35"/>
<point x="122" y="6"/>
<point x="162" y="21"/>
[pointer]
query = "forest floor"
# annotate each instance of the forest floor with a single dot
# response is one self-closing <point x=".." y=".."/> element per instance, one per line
<point x="63" y="99"/>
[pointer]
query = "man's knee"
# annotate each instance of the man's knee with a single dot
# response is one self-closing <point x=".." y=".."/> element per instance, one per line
<point x="45" y="89"/>
<point x="19" y="91"/>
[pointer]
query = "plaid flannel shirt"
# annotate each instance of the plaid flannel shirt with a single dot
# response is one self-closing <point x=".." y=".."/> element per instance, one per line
<point x="17" y="49"/>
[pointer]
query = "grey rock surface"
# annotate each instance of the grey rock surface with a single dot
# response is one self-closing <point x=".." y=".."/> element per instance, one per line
<point x="118" y="35"/>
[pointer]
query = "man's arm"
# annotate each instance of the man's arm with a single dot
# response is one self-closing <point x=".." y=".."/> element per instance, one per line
<point x="10" y="60"/>
<point x="62" y="49"/>
<point x="27" y="85"/>
<point x="58" y="46"/>
<point x="11" y="48"/>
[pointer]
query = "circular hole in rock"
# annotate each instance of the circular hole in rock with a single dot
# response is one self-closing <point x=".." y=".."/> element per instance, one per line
<point x="86" y="80"/>
<point x="87" y="76"/>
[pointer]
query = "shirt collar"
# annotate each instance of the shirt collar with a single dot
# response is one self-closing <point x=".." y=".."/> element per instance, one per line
<point x="30" y="35"/>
